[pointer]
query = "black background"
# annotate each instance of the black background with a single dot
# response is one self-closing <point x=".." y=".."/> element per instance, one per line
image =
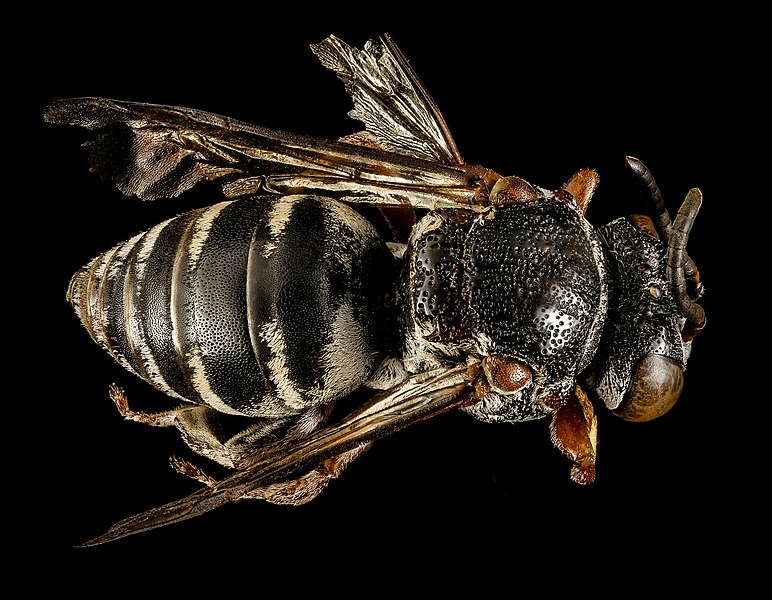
<point x="537" y="95"/>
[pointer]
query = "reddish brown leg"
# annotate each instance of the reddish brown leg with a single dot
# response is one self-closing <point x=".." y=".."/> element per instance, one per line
<point x="306" y="487"/>
<point x="582" y="186"/>
<point x="574" y="432"/>
<point x="294" y="491"/>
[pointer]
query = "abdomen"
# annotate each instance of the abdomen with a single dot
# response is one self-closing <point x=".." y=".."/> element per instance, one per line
<point x="262" y="306"/>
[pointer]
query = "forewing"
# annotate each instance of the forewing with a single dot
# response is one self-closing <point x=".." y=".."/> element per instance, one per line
<point x="417" y="398"/>
<point x="155" y="151"/>
<point x="390" y="99"/>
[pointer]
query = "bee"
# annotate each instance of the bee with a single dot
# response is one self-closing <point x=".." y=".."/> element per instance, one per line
<point x="378" y="267"/>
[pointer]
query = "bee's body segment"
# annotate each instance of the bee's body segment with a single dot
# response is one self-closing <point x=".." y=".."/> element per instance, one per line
<point x="247" y="306"/>
<point x="377" y="267"/>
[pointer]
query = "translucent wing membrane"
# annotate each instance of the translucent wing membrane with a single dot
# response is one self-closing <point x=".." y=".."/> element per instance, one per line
<point x="415" y="399"/>
<point x="389" y="99"/>
<point x="154" y="151"/>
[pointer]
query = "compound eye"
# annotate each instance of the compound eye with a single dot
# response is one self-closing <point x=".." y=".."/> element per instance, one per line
<point x="656" y="387"/>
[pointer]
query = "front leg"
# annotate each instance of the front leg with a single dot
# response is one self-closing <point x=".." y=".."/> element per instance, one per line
<point x="574" y="431"/>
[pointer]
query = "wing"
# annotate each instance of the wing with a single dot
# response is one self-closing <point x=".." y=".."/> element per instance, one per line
<point x="390" y="99"/>
<point x="153" y="151"/>
<point x="415" y="399"/>
<point x="407" y="156"/>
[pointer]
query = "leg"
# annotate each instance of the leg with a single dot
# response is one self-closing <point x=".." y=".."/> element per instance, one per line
<point x="574" y="432"/>
<point x="201" y="429"/>
<point x="294" y="491"/>
<point x="309" y="486"/>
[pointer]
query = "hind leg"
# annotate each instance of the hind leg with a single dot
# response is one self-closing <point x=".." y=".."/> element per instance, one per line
<point x="292" y="492"/>
<point x="201" y="429"/>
